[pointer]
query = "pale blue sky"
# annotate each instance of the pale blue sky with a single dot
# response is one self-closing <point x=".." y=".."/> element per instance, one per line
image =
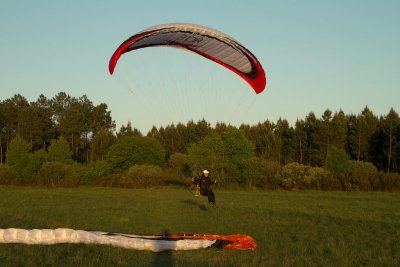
<point x="317" y="54"/>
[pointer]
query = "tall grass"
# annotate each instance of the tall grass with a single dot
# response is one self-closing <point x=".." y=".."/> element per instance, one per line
<point x="291" y="228"/>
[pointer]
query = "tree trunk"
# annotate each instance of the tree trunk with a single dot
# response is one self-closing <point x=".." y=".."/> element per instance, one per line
<point x="1" y="151"/>
<point x="301" y="151"/>
<point x="359" y="147"/>
<point x="390" y="150"/>
<point x="8" y="139"/>
<point x="101" y="149"/>
<point x="328" y="143"/>
<point x="72" y="145"/>
<point x="86" y="147"/>
<point x="30" y="136"/>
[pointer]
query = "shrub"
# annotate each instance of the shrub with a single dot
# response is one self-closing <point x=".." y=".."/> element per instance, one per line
<point x="18" y="148"/>
<point x="143" y="175"/>
<point x="28" y="165"/>
<point x="330" y="181"/>
<point x="260" y="173"/>
<point x="132" y="150"/>
<point x="292" y="175"/>
<point x="171" y="178"/>
<point x="6" y="175"/>
<point x="337" y="161"/>
<point x="314" y="176"/>
<point x="112" y="180"/>
<point x="138" y="176"/>
<point x="297" y="176"/>
<point x="270" y="170"/>
<point x="224" y="154"/>
<point x="363" y="176"/>
<point x="59" y="150"/>
<point x="179" y="163"/>
<point x="56" y="174"/>
<point x="389" y="181"/>
<point x="94" y="172"/>
<point x="250" y="171"/>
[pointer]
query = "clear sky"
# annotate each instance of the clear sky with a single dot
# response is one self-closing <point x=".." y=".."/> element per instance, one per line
<point x="317" y="54"/>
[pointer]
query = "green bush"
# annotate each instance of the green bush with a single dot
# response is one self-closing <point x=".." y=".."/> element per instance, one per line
<point x="295" y="176"/>
<point x="270" y="170"/>
<point x="132" y="150"/>
<point x="57" y="174"/>
<point x="179" y="163"/>
<point x="389" y="181"/>
<point x="261" y="173"/>
<point x="19" y="169"/>
<point x="330" y="181"/>
<point x="314" y="176"/>
<point x="138" y="176"/>
<point x="112" y="180"/>
<point x="170" y="177"/>
<point x="337" y="161"/>
<point x="27" y="166"/>
<point x="6" y="175"/>
<point x="59" y="150"/>
<point x="363" y="176"/>
<point x="250" y="172"/>
<point x="18" y="148"/>
<point x="143" y="175"/>
<point x="291" y="176"/>
<point x="94" y="172"/>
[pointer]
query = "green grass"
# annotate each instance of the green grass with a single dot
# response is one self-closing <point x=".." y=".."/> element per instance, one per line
<point x="291" y="228"/>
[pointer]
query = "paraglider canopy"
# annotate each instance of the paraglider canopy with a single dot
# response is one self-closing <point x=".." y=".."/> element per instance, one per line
<point x="204" y="41"/>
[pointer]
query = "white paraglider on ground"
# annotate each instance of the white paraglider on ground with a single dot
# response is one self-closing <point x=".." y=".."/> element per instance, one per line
<point x="64" y="235"/>
<point x="155" y="243"/>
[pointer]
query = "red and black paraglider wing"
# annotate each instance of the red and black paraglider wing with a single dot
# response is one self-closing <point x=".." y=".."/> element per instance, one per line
<point x="204" y="41"/>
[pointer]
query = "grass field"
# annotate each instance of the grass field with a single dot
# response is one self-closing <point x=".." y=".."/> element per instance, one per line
<point x="291" y="228"/>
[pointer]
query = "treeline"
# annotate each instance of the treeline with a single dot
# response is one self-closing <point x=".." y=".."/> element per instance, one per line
<point x="78" y="120"/>
<point x="67" y="141"/>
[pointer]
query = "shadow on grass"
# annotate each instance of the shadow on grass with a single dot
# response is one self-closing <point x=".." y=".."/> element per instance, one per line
<point x="165" y="258"/>
<point x="194" y="203"/>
